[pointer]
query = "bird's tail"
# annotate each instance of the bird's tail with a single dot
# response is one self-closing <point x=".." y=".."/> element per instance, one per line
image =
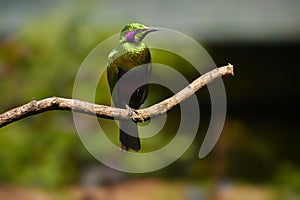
<point x="130" y="140"/>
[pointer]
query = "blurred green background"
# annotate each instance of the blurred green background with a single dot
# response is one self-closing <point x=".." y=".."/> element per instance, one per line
<point x="43" y="43"/>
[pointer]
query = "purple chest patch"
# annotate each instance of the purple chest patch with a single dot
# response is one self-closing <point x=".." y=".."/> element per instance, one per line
<point x="130" y="36"/>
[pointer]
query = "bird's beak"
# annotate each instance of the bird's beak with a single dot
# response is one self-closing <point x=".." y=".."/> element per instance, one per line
<point x="145" y="32"/>
<point x="151" y="29"/>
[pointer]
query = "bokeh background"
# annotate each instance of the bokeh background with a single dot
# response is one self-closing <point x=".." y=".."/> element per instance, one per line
<point x="43" y="43"/>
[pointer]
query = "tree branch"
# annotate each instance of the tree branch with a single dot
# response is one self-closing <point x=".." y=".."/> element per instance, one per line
<point x="56" y="103"/>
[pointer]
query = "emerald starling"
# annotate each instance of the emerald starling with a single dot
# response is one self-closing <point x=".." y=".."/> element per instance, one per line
<point x="131" y="57"/>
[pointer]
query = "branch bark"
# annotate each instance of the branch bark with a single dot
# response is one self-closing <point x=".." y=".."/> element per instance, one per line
<point x="57" y="103"/>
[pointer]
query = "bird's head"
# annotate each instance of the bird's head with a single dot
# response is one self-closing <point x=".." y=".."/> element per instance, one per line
<point x="135" y="32"/>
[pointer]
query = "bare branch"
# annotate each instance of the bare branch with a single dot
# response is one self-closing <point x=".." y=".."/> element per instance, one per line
<point x="56" y="103"/>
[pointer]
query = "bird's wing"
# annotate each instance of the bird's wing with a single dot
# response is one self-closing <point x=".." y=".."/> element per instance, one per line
<point x="112" y="70"/>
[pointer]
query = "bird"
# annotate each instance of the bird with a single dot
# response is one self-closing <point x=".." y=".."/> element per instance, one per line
<point x="130" y="59"/>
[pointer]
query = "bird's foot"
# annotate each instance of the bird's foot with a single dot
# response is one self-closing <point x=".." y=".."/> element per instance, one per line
<point x="134" y="113"/>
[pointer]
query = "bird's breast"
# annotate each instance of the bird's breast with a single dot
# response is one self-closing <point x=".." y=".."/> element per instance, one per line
<point x="132" y="56"/>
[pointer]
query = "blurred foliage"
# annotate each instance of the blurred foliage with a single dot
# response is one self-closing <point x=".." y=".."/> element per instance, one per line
<point x="41" y="60"/>
<point x="287" y="180"/>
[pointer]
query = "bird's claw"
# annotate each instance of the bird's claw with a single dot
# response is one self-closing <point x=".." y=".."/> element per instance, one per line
<point x="133" y="113"/>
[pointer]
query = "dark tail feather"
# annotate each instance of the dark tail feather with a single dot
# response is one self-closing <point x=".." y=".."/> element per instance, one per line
<point x="131" y="140"/>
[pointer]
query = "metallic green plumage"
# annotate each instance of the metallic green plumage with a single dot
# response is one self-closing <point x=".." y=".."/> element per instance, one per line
<point x="131" y="57"/>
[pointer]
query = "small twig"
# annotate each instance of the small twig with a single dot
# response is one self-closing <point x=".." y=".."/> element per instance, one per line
<point x="56" y="103"/>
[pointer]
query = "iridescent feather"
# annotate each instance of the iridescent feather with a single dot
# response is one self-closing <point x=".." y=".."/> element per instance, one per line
<point x="132" y="57"/>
